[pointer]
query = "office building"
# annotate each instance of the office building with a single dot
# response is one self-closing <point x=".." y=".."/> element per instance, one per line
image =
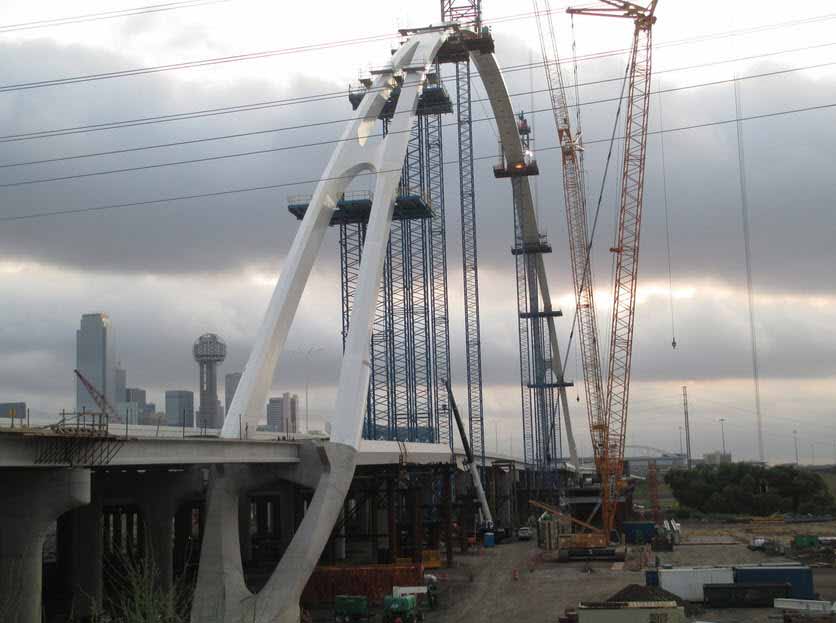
<point x="179" y="408"/>
<point x="150" y="409"/>
<point x="130" y="412"/>
<point x="120" y="379"/>
<point x="281" y="413"/>
<point x="137" y="395"/>
<point x="230" y="385"/>
<point x="95" y="360"/>
<point x="209" y="350"/>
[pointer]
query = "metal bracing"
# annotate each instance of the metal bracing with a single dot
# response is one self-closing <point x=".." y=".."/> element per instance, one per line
<point x="465" y="12"/>
<point x="470" y="264"/>
<point x="438" y="267"/>
<point x="523" y="326"/>
<point x="576" y="217"/>
<point x="627" y="251"/>
<point x="410" y="325"/>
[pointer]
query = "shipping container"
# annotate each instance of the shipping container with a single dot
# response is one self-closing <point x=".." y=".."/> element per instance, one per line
<point x="631" y="612"/>
<point x="744" y="595"/>
<point x="687" y="582"/>
<point x="639" y="532"/>
<point x="799" y="578"/>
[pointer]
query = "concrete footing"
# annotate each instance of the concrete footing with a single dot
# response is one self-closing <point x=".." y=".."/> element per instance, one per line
<point x="32" y="500"/>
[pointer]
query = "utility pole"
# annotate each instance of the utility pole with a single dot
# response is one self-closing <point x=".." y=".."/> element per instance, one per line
<point x="723" y="433"/>
<point x="687" y="425"/>
<point x="681" y="451"/>
<point x="311" y="350"/>
<point x="795" y="439"/>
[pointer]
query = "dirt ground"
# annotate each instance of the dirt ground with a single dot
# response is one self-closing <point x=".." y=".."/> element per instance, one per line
<point x="482" y="588"/>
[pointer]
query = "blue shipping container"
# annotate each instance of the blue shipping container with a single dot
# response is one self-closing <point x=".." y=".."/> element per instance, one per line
<point x="490" y="541"/>
<point x="800" y="579"/>
<point x="651" y="577"/>
<point x="636" y="532"/>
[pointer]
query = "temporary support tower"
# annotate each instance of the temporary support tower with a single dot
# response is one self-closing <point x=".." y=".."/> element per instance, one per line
<point x="469" y="12"/>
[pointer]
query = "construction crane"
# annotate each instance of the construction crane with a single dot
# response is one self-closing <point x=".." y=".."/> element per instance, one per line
<point x="608" y="436"/>
<point x="487" y="518"/>
<point x="571" y="150"/>
<point x="98" y="397"/>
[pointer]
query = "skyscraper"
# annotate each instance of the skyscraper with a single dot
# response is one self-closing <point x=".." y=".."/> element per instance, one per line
<point x="209" y="350"/>
<point x="275" y="421"/>
<point x="231" y="381"/>
<point x="120" y="380"/>
<point x="281" y="413"/>
<point x="179" y="408"/>
<point x="95" y="360"/>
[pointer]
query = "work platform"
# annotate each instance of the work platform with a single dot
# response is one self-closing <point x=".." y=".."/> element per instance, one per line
<point x="356" y="207"/>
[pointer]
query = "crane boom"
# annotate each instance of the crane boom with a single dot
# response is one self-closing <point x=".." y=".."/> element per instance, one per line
<point x="611" y="462"/>
<point x="574" y="195"/>
<point x="471" y="460"/>
<point x="97" y="397"/>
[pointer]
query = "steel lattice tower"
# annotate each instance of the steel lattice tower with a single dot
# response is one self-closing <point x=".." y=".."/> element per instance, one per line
<point x="468" y="13"/>
<point x="410" y="344"/>
<point x="540" y="420"/>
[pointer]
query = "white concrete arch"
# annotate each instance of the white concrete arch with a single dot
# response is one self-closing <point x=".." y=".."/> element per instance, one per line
<point x="221" y="595"/>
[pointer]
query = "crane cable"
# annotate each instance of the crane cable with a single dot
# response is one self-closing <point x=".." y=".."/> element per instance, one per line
<point x="667" y="214"/>
<point x="613" y="143"/>
<point x="744" y="208"/>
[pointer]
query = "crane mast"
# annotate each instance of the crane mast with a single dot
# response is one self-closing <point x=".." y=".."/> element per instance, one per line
<point x="612" y="433"/>
<point x="576" y="220"/>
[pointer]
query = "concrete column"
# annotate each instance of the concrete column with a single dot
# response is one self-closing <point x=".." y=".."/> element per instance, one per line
<point x="182" y="536"/>
<point x="287" y="513"/>
<point x="244" y="526"/>
<point x="220" y="592"/>
<point x="81" y="546"/>
<point x="32" y="500"/>
<point x="159" y="539"/>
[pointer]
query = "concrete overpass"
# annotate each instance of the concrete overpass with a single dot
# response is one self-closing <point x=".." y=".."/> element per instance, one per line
<point x="138" y="487"/>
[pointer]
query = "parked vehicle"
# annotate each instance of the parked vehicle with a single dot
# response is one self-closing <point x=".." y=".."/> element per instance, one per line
<point x="524" y="533"/>
<point x="401" y="609"/>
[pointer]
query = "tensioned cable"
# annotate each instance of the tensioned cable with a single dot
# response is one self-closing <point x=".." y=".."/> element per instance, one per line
<point x="667" y="213"/>
<point x="94" y="17"/>
<point x="744" y="208"/>
<point x="612" y="140"/>
<point x="307" y="145"/>
<point x="67" y="211"/>
<point x="347" y="42"/>
<point x="209" y="112"/>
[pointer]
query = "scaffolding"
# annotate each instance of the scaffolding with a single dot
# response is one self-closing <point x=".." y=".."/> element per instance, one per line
<point x="410" y="343"/>
<point x="540" y="419"/>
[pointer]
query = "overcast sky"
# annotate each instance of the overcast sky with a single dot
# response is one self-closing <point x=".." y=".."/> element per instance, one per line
<point x="167" y="272"/>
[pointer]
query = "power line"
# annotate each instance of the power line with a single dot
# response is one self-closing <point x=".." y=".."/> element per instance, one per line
<point x="307" y="145"/>
<point x="94" y="17"/>
<point x="359" y="40"/>
<point x="280" y="103"/>
<point x="38" y="215"/>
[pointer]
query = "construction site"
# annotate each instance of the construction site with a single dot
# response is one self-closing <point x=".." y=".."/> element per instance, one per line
<point x="401" y="511"/>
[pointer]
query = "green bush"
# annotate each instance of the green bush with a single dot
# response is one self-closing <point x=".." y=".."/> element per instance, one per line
<point x="745" y="489"/>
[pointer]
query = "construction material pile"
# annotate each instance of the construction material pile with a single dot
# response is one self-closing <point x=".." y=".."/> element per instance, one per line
<point x="637" y="592"/>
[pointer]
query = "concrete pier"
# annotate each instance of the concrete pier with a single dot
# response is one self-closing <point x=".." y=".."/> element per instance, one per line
<point x="32" y="501"/>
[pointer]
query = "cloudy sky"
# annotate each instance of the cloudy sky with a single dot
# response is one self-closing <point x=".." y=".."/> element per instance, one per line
<point x="167" y="271"/>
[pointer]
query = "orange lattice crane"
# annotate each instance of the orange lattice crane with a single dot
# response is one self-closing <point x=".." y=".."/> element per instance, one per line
<point x="608" y="435"/>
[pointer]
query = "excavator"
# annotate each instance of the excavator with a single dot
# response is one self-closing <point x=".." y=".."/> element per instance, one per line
<point x="606" y="410"/>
